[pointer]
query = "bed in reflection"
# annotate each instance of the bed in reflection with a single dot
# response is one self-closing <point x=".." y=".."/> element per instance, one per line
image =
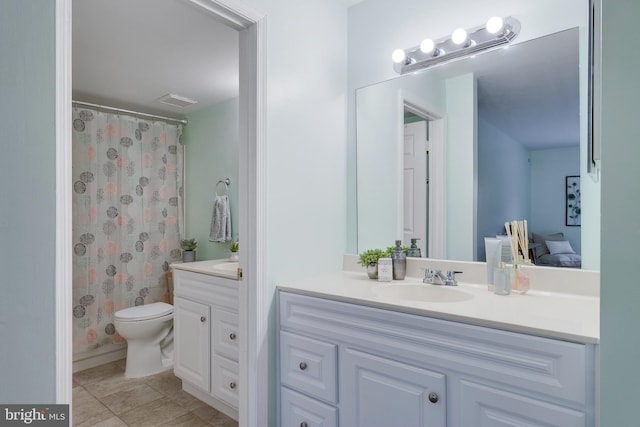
<point x="553" y="250"/>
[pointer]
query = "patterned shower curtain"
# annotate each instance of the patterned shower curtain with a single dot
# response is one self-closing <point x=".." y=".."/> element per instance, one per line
<point x="127" y="214"/>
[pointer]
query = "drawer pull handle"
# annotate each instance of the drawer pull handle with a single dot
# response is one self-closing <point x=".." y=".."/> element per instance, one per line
<point x="203" y="319"/>
<point x="303" y="424"/>
<point x="302" y="366"/>
<point x="232" y="385"/>
<point x="433" y="397"/>
<point x="232" y="336"/>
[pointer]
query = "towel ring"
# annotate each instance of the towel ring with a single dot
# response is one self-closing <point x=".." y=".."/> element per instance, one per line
<point x="226" y="182"/>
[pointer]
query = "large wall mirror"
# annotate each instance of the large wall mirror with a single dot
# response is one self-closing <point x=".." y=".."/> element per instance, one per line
<point x="449" y="153"/>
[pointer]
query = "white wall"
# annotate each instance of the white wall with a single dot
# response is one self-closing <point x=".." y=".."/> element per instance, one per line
<point x="503" y="182"/>
<point x="27" y="220"/>
<point x="548" y="171"/>
<point x="306" y="144"/>
<point x="461" y="172"/>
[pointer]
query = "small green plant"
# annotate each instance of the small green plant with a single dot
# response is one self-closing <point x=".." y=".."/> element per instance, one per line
<point x="234" y="246"/>
<point x="371" y="256"/>
<point x="390" y="249"/>
<point x="188" y="244"/>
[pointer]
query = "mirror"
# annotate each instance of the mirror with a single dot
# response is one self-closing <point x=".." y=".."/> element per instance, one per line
<point x="505" y="128"/>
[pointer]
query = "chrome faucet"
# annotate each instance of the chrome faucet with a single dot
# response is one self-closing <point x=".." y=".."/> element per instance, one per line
<point x="436" y="277"/>
<point x="433" y="277"/>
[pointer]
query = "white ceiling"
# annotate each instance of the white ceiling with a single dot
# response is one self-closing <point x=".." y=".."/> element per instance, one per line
<point x="127" y="54"/>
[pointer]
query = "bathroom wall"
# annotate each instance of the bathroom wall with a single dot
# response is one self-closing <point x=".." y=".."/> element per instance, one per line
<point x="211" y="149"/>
<point x="504" y="182"/>
<point x="27" y="221"/>
<point x="620" y="293"/>
<point x="548" y="171"/>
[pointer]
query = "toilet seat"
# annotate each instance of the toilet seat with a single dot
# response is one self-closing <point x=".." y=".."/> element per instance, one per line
<point x="144" y="312"/>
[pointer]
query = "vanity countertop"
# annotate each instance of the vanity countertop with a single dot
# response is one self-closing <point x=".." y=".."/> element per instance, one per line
<point x="216" y="267"/>
<point x="549" y="314"/>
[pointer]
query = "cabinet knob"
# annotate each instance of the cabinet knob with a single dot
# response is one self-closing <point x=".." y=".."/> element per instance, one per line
<point x="433" y="397"/>
<point x="302" y="366"/>
<point x="203" y="319"/>
<point x="232" y="336"/>
<point x="232" y="385"/>
<point x="303" y="424"/>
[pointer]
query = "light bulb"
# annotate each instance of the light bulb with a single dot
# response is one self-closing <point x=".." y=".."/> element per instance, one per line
<point x="427" y="46"/>
<point x="459" y="36"/>
<point x="398" y="56"/>
<point x="495" y="24"/>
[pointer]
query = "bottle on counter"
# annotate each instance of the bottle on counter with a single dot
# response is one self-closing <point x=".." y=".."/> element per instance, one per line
<point x="414" y="250"/>
<point x="399" y="261"/>
<point x="502" y="280"/>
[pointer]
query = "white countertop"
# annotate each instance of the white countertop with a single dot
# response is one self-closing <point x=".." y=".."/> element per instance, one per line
<point x="217" y="267"/>
<point x="563" y="316"/>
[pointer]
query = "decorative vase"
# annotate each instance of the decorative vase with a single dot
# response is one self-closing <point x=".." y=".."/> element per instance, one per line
<point x="372" y="270"/>
<point x="188" y="256"/>
<point x="234" y="256"/>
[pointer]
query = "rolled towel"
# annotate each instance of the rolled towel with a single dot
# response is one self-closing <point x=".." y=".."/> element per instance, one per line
<point x="220" y="220"/>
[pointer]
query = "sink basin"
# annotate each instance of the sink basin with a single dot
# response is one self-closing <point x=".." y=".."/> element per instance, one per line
<point x="226" y="267"/>
<point x="421" y="292"/>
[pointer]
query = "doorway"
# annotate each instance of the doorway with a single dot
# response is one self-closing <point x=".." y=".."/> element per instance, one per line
<point x="252" y="113"/>
<point x="424" y="205"/>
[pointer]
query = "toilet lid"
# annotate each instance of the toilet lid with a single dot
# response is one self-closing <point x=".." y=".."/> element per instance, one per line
<point x="144" y="312"/>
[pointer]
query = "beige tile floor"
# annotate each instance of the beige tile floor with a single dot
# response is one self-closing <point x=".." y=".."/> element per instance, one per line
<point x="103" y="397"/>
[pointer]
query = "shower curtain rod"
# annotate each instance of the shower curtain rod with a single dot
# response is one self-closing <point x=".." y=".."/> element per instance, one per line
<point x="134" y="113"/>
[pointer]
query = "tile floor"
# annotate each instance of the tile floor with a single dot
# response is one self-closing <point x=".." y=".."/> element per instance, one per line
<point x="103" y="397"/>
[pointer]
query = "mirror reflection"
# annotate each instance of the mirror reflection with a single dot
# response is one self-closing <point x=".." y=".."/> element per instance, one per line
<point x="449" y="154"/>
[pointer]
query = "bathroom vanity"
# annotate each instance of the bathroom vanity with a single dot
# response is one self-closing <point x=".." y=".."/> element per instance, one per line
<point x="206" y="332"/>
<point x="354" y="352"/>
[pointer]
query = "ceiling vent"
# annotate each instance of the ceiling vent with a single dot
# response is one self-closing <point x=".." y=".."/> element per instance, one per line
<point x="176" y="100"/>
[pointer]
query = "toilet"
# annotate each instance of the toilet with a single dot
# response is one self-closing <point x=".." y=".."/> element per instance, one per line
<point x="148" y="330"/>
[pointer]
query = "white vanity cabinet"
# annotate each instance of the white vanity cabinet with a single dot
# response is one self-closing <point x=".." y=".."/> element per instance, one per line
<point x="206" y="338"/>
<point x="351" y="365"/>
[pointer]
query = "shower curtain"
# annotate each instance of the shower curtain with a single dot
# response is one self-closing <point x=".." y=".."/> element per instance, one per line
<point x="127" y="214"/>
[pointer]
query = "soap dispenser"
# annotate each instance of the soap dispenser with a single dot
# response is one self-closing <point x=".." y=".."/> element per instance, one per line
<point x="414" y="250"/>
<point x="399" y="261"/>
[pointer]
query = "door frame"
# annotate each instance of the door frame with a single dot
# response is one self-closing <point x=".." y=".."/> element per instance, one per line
<point x="253" y="300"/>
<point x="437" y="170"/>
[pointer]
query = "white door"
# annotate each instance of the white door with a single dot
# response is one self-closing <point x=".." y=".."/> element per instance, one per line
<point x="415" y="218"/>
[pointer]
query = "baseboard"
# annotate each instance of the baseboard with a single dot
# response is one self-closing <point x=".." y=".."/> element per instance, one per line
<point x="211" y="401"/>
<point x="100" y="356"/>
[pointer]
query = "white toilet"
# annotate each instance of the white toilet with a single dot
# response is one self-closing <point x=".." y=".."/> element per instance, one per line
<point x="148" y="330"/>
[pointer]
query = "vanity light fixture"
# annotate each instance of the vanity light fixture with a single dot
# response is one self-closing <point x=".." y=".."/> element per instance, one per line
<point x="496" y="32"/>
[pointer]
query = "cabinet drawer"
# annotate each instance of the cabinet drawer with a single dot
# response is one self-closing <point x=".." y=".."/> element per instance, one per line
<point x="224" y="380"/>
<point x="485" y="406"/>
<point x="225" y="333"/>
<point x="299" y="410"/>
<point x="309" y="365"/>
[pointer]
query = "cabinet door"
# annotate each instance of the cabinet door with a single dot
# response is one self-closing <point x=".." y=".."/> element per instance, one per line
<point x="484" y="406"/>
<point x="380" y="392"/>
<point x="191" y="359"/>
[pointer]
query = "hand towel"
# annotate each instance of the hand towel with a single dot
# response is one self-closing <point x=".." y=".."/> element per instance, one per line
<point x="220" y="220"/>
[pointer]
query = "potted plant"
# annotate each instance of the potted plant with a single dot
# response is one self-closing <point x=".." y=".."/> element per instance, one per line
<point x="188" y="249"/>
<point x="369" y="260"/>
<point x="235" y="246"/>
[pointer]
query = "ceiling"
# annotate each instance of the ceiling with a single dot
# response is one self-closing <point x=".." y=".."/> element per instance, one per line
<point x="127" y="54"/>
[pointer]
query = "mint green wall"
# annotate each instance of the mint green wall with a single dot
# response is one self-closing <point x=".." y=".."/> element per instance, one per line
<point x="211" y="144"/>
<point x="27" y="220"/>
<point x="620" y="291"/>
<point x="461" y="168"/>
